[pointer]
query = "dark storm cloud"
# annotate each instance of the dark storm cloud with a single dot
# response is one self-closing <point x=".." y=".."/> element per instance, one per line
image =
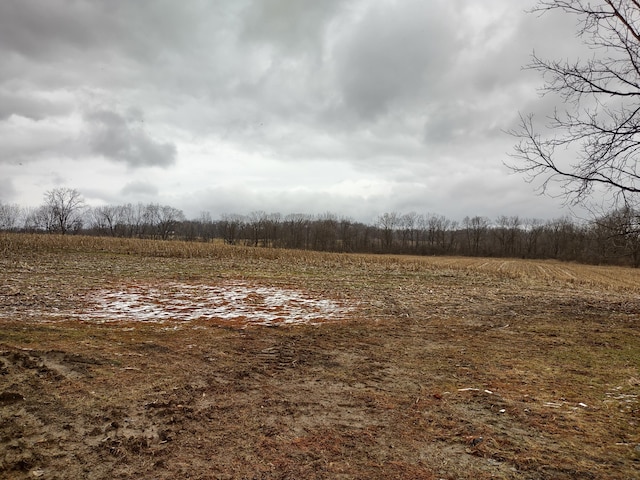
<point x="124" y="139"/>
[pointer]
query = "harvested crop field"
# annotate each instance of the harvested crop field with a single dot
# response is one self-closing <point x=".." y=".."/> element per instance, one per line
<point x="163" y="360"/>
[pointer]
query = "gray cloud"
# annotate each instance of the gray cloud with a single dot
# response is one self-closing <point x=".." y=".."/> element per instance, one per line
<point x="31" y="106"/>
<point x="124" y="139"/>
<point x="44" y="29"/>
<point x="7" y="190"/>
<point x="394" y="52"/>
<point x="139" y="188"/>
<point x="36" y="29"/>
<point x="25" y="141"/>
<point x="293" y="26"/>
<point x="283" y="104"/>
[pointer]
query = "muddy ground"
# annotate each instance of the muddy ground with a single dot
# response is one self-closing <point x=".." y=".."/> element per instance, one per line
<point x="432" y="369"/>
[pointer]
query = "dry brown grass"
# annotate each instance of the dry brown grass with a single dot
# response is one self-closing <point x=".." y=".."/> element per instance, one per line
<point x="539" y="359"/>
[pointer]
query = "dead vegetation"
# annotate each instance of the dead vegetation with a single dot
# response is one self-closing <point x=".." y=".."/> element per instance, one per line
<point x="444" y="368"/>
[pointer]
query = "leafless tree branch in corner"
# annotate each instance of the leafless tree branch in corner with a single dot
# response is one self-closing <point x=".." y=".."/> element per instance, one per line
<point x="600" y="119"/>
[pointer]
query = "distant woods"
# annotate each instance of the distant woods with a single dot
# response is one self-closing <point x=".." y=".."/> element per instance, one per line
<point x="613" y="238"/>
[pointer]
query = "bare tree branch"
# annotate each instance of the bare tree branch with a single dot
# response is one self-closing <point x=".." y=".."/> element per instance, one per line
<point x="601" y="117"/>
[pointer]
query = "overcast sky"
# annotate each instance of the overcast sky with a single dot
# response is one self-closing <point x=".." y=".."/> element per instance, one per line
<point x="355" y="107"/>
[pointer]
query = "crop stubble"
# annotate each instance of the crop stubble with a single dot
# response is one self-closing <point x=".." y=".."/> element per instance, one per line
<point x="436" y="367"/>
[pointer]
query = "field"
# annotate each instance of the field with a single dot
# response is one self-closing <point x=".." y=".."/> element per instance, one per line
<point x="166" y="360"/>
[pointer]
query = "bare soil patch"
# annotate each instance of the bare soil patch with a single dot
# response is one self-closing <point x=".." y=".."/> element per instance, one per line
<point x="165" y="360"/>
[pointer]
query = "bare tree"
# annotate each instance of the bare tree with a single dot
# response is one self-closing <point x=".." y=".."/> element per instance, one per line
<point x="272" y="225"/>
<point x="296" y="227"/>
<point x="65" y="207"/>
<point x="256" y="224"/>
<point x="506" y="232"/>
<point x="206" y="227"/>
<point x="348" y="234"/>
<point x="408" y="222"/>
<point x="107" y="217"/>
<point x="324" y="232"/>
<point x="601" y="118"/>
<point x="622" y="230"/>
<point x="230" y="227"/>
<point x="475" y="231"/>
<point x="166" y="219"/>
<point x="37" y="219"/>
<point x="561" y="236"/>
<point x="388" y="223"/>
<point x="533" y="229"/>
<point x="439" y="233"/>
<point x="10" y="213"/>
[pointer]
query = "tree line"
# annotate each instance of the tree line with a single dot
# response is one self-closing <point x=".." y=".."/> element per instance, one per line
<point x="613" y="238"/>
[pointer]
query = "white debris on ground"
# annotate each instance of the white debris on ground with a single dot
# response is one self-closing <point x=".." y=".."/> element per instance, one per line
<point x="238" y="302"/>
